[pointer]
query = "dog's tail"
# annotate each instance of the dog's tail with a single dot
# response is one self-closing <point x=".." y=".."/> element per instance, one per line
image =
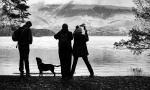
<point x="57" y="65"/>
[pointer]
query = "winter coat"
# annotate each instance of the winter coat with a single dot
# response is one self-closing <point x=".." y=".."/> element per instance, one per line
<point x="26" y="36"/>
<point x="80" y="47"/>
<point x="67" y="47"/>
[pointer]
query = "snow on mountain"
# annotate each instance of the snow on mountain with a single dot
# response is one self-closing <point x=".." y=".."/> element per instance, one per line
<point x="94" y="16"/>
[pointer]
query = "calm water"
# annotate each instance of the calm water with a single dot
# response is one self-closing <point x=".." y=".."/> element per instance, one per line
<point x="105" y="60"/>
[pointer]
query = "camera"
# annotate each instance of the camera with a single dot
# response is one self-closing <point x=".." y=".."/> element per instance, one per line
<point x="82" y="25"/>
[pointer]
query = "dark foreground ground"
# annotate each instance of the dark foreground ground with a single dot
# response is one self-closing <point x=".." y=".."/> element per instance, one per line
<point x="78" y="83"/>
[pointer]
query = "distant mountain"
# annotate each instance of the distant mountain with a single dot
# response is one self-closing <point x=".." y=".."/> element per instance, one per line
<point x="98" y="18"/>
<point x="94" y="16"/>
<point x="6" y="31"/>
<point x="72" y="10"/>
<point x="42" y="32"/>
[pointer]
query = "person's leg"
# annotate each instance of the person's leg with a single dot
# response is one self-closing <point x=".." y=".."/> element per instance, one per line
<point x="61" y="57"/>
<point x="85" y="58"/>
<point x="74" y="65"/>
<point x="65" y="65"/>
<point x="26" y="58"/>
<point x="68" y="65"/>
<point x="21" y="66"/>
<point x="21" y="63"/>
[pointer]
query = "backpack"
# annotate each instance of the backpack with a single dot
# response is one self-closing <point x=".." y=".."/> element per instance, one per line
<point x="16" y="34"/>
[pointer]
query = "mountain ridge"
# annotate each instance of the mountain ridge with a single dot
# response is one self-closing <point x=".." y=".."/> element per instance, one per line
<point x="74" y="9"/>
<point x="55" y="15"/>
<point x="96" y="17"/>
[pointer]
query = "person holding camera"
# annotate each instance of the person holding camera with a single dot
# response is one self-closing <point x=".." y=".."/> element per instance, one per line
<point x="80" y="48"/>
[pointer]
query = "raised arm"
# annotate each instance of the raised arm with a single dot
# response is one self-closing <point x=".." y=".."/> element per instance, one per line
<point x="86" y="34"/>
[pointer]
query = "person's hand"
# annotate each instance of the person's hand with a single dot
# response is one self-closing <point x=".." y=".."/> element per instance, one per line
<point x="85" y="29"/>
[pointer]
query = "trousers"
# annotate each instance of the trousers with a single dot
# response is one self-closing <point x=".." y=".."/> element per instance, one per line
<point x="24" y="58"/>
<point x="65" y="61"/>
<point x="85" y="59"/>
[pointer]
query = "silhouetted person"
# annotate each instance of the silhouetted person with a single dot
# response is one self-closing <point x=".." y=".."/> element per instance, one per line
<point x="65" y="50"/>
<point x="80" y="49"/>
<point x="24" y="49"/>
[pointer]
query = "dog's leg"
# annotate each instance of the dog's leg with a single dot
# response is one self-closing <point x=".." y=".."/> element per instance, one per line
<point x="53" y="72"/>
<point x="41" y="73"/>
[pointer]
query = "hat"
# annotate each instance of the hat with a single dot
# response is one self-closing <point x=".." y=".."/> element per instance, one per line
<point x="79" y="30"/>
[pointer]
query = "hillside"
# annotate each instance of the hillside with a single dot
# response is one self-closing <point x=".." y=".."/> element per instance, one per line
<point x="71" y="10"/>
<point x="42" y="32"/>
<point x="104" y="31"/>
<point x="102" y="19"/>
<point x="35" y="32"/>
<point x="94" y="16"/>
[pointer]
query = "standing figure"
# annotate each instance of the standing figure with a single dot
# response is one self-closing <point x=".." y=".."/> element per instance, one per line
<point x="80" y="49"/>
<point x="23" y="45"/>
<point x="65" y="50"/>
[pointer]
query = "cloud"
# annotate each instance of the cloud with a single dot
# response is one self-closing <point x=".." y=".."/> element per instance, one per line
<point x="126" y="3"/>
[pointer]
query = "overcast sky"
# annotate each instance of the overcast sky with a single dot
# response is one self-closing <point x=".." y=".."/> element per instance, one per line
<point x="126" y="3"/>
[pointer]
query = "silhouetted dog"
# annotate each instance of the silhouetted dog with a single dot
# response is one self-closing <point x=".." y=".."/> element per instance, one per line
<point x="45" y="67"/>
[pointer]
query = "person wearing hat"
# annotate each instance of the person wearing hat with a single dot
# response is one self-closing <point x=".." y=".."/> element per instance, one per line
<point x="80" y="49"/>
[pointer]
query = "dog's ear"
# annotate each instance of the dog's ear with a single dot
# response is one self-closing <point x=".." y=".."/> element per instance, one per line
<point x="37" y="58"/>
<point x="40" y="60"/>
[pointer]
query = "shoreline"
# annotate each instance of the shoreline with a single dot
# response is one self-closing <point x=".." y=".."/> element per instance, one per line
<point x="14" y="82"/>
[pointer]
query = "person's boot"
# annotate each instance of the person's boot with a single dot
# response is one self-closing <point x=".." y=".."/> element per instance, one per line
<point x="91" y="76"/>
<point x="21" y="74"/>
<point x="28" y="75"/>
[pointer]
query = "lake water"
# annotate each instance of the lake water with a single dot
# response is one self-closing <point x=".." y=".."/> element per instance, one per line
<point x="105" y="60"/>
